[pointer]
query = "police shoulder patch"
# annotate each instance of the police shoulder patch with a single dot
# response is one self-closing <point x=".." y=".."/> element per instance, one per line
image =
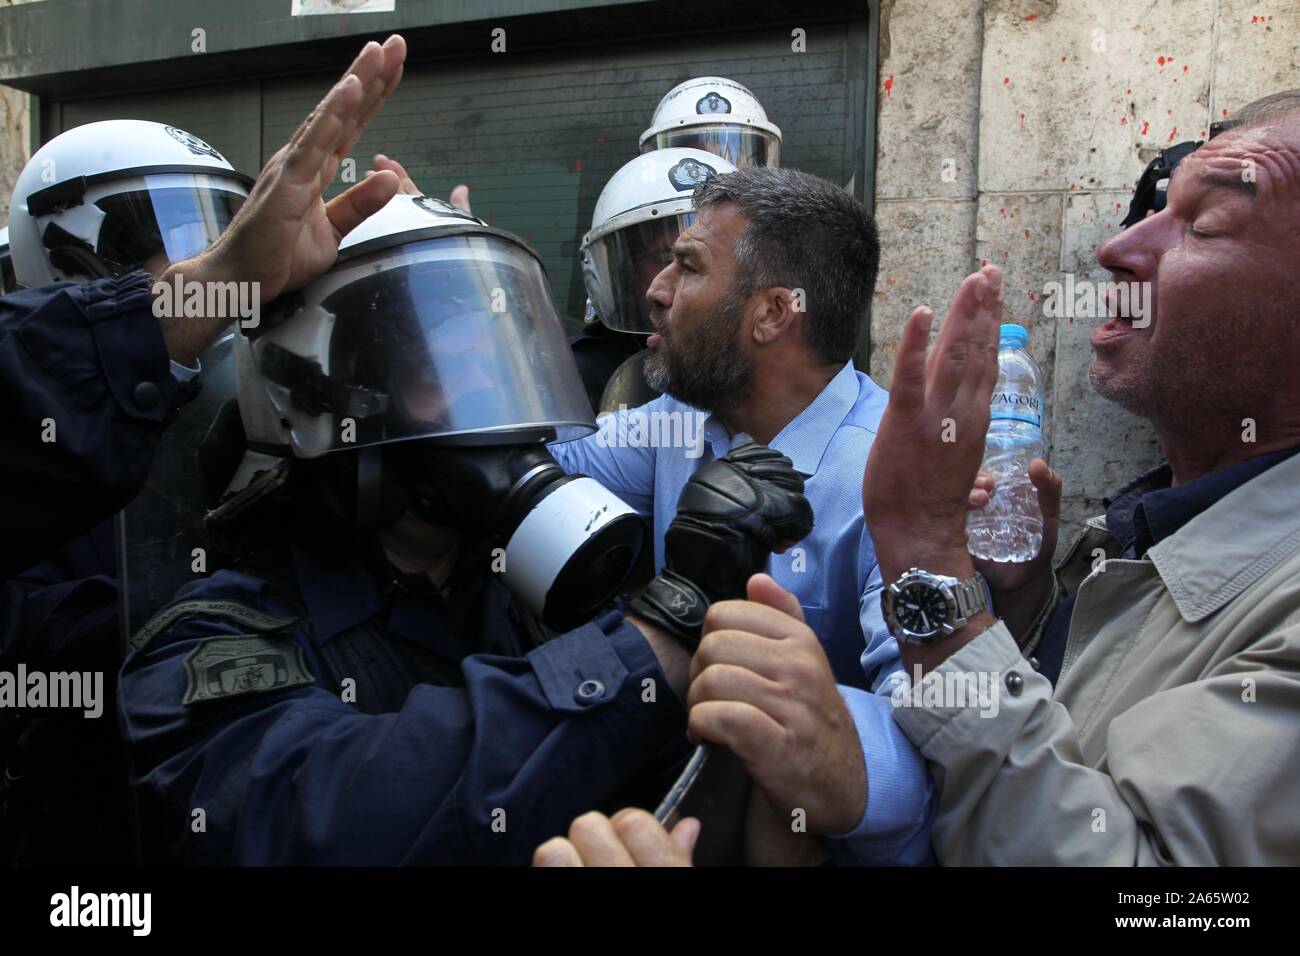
<point x="224" y="667"/>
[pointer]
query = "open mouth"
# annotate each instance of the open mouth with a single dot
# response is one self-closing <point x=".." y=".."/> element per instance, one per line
<point x="1119" y="325"/>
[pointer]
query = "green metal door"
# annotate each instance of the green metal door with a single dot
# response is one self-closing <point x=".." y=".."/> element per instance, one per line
<point x="537" y="135"/>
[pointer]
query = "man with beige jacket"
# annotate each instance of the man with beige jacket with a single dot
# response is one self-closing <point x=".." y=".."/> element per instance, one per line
<point x="1173" y="733"/>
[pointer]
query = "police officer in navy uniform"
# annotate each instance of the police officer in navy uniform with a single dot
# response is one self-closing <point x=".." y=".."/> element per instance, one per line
<point x="371" y="685"/>
<point x="92" y="374"/>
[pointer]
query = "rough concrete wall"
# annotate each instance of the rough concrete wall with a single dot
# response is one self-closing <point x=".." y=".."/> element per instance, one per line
<point x="1047" y="112"/>
<point x="14" y="138"/>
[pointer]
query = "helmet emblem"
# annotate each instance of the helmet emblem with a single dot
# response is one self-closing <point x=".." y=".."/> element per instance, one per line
<point x="688" y="174"/>
<point x="436" y="207"/>
<point x="193" y="143"/>
<point x="713" y="103"/>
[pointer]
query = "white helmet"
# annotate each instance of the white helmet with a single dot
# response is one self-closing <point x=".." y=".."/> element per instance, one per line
<point x="104" y="198"/>
<point x="430" y="324"/>
<point x="716" y="115"/>
<point x="639" y="214"/>
<point x="7" y="282"/>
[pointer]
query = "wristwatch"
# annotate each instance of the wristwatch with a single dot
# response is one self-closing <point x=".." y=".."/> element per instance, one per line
<point x="921" y="608"/>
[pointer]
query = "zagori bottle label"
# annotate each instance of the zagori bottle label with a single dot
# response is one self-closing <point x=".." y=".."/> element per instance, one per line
<point x="1016" y="407"/>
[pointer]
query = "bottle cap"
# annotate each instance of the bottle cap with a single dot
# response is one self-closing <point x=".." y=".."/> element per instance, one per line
<point x="1013" y="336"/>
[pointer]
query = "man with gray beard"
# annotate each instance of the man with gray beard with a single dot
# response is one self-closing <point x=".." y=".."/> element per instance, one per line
<point x="756" y="320"/>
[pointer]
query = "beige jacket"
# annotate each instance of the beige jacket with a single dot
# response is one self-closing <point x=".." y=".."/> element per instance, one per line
<point x="1174" y="733"/>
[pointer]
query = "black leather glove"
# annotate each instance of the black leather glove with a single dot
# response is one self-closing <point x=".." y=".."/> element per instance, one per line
<point x="731" y="516"/>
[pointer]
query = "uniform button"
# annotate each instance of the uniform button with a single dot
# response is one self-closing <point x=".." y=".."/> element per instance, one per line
<point x="146" y="395"/>
<point x="589" y="691"/>
<point x="1015" y="683"/>
<point x="1033" y="662"/>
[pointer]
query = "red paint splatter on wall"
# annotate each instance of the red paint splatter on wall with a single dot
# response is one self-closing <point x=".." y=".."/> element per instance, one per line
<point x="1225" y="112"/>
<point x="1033" y="297"/>
<point x="1022" y="120"/>
<point x="1172" y="133"/>
<point x="1128" y="91"/>
<point x="1186" y="67"/>
<point x="1123" y="121"/>
<point x="1161" y="60"/>
<point x="1006" y="81"/>
<point x="1032" y="17"/>
<point x="889" y="85"/>
<point x="1146" y="128"/>
<point x="1027" y="236"/>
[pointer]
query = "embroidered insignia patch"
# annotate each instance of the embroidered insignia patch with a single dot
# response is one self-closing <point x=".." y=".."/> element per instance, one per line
<point x="224" y="667"/>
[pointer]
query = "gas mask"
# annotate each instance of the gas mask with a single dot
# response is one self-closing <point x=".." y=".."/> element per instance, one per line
<point x="431" y="365"/>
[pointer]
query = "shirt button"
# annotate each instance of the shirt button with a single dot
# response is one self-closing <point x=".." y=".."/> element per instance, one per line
<point x="146" y="395"/>
<point x="1015" y="683"/>
<point x="1033" y="662"/>
<point x="589" y="691"/>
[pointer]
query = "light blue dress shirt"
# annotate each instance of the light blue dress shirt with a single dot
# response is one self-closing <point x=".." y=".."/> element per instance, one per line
<point x="646" y="455"/>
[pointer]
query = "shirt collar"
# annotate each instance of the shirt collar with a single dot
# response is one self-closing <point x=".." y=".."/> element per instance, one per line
<point x="805" y="437"/>
<point x="1150" y="508"/>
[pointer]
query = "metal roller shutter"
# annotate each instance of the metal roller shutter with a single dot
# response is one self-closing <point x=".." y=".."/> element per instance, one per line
<point x="227" y="116"/>
<point x="537" y="137"/>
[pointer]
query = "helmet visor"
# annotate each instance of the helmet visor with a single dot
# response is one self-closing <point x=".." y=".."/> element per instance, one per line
<point x="173" y="216"/>
<point x="741" y="145"/>
<point x="620" y="265"/>
<point x="454" y="336"/>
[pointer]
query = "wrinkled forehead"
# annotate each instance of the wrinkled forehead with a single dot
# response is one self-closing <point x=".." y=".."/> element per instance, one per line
<point x="1262" y="160"/>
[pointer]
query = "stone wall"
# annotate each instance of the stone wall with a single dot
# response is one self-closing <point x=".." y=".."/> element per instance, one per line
<point x="14" y="135"/>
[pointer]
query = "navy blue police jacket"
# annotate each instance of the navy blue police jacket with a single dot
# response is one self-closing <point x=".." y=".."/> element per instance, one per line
<point x="325" y="716"/>
<point x="87" y="390"/>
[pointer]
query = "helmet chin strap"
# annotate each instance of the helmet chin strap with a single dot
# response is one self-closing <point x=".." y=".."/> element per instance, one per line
<point x="75" y="257"/>
<point x="370" y="489"/>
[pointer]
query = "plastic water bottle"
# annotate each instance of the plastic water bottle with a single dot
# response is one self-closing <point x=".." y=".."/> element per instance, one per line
<point x="1010" y="526"/>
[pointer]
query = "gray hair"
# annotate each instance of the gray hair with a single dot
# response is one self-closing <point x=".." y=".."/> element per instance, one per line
<point x="1265" y="108"/>
<point x="804" y="232"/>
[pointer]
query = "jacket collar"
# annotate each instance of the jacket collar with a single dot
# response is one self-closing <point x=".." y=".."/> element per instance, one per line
<point x="1233" y="543"/>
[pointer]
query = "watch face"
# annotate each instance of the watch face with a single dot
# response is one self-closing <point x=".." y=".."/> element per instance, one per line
<point x="921" y="608"/>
